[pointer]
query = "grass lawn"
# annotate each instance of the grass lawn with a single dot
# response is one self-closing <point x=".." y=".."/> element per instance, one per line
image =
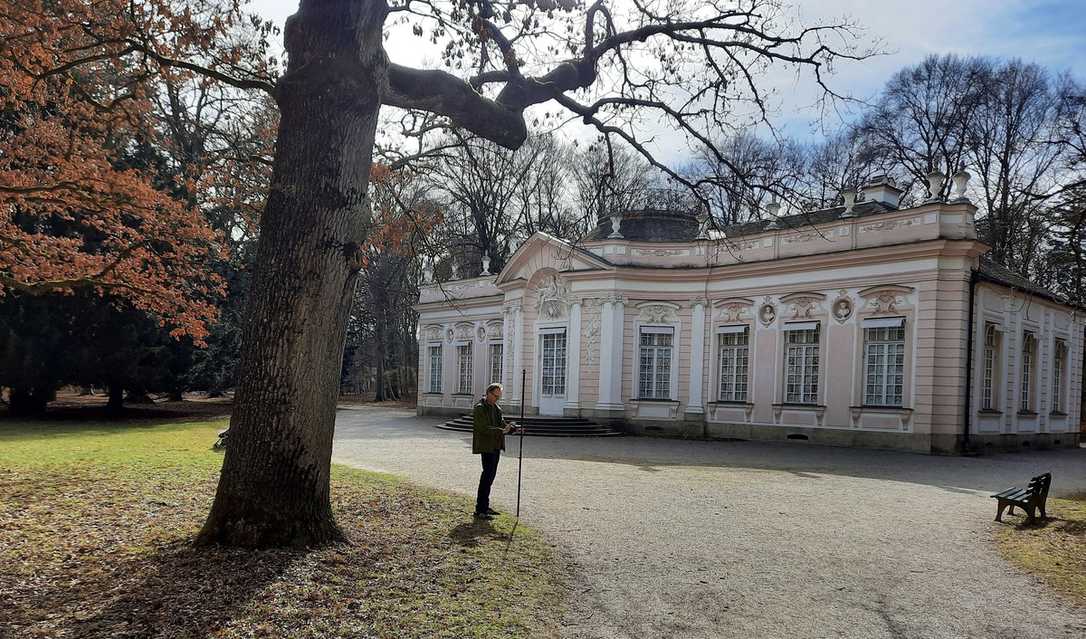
<point x="96" y="523"/>
<point x="1055" y="551"/>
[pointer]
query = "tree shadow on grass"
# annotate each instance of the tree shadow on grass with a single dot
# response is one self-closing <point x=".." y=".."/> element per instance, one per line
<point x="179" y="591"/>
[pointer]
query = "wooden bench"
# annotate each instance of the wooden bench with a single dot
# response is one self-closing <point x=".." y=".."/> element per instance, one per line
<point x="1030" y="499"/>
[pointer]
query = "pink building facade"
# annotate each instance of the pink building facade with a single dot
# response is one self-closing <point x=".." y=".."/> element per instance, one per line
<point x="865" y="325"/>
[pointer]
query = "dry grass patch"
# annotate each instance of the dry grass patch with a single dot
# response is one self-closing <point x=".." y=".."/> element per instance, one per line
<point x="1054" y="550"/>
<point x="96" y="523"/>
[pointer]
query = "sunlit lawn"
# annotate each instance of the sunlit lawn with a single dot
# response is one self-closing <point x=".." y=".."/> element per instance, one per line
<point x="1054" y="550"/>
<point x="96" y="523"/>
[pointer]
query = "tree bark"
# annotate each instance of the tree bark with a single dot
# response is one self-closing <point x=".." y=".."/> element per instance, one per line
<point x="274" y="488"/>
<point x="116" y="398"/>
<point x="28" y="402"/>
<point x="380" y="395"/>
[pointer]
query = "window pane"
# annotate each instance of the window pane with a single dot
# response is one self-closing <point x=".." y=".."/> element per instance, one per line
<point x="496" y="351"/>
<point x="801" y="367"/>
<point x="884" y="366"/>
<point x="654" y="365"/>
<point x="733" y="359"/>
<point x="435" y="369"/>
<point x="463" y="356"/>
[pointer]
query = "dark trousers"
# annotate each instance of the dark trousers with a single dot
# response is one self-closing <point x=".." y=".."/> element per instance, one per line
<point x="490" y="468"/>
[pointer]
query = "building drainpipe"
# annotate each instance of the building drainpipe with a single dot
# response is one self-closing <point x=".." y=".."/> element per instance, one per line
<point x="969" y="362"/>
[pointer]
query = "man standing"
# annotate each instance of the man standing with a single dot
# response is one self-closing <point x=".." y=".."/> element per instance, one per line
<point x="489" y="429"/>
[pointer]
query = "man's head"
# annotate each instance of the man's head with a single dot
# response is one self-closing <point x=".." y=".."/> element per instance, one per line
<point x="493" y="393"/>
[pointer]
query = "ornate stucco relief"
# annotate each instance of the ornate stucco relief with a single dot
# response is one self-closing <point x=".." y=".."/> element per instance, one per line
<point x="553" y="300"/>
<point x="657" y="313"/>
<point x="734" y="309"/>
<point x="882" y="300"/>
<point x="889" y="225"/>
<point x="590" y="324"/>
<point x="464" y="331"/>
<point x="660" y="252"/>
<point x="767" y="312"/>
<point x="804" y="305"/>
<point x="842" y="307"/>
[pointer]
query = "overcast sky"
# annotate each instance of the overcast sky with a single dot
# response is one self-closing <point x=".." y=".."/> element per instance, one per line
<point x="1050" y="32"/>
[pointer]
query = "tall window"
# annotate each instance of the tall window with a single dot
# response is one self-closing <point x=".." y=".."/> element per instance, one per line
<point x="801" y="365"/>
<point x="991" y="367"/>
<point x="1059" y="357"/>
<point x="884" y="362"/>
<point x="553" y="375"/>
<point x="655" y="358"/>
<point x="435" y="369"/>
<point x="733" y="358"/>
<point x="496" y="363"/>
<point x="1029" y="355"/>
<point x="463" y="367"/>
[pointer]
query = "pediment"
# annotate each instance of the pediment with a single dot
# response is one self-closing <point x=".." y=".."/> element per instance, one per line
<point x="543" y="251"/>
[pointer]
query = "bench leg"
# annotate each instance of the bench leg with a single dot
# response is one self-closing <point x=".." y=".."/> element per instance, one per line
<point x="1010" y="509"/>
<point x="1029" y="514"/>
<point x="1043" y="514"/>
<point x="999" y="511"/>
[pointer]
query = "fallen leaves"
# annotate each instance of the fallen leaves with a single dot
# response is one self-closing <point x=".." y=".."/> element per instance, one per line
<point x="104" y="550"/>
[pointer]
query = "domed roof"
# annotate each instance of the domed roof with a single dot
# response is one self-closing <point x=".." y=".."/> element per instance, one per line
<point x="650" y="225"/>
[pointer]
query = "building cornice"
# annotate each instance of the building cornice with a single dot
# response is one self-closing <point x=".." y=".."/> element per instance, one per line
<point x="845" y="257"/>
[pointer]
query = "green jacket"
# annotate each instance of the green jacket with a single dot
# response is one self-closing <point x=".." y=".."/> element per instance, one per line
<point x="487" y="433"/>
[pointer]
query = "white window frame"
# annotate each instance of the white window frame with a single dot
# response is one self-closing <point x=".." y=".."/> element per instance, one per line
<point x="1059" y="376"/>
<point x="658" y="379"/>
<point x="884" y="361"/>
<point x="496" y="365"/>
<point x="1027" y="396"/>
<point x="808" y="382"/>
<point x="990" y="367"/>
<point x="435" y="372"/>
<point x="464" y="365"/>
<point x="737" y="365"/>
<point x="558" y="372"/>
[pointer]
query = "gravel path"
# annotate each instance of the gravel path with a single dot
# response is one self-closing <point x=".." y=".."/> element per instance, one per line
<point x="739" y="539"/>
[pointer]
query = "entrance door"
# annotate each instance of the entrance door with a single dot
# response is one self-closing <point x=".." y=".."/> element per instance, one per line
<point x="552" y="372"/>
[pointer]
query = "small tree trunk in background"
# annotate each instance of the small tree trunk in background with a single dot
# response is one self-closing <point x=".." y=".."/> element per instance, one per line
<point x="28" y="402"/>
<point x="381" y="382"/>
<point x="116" y="398"/>
<point x="274" y="487"/>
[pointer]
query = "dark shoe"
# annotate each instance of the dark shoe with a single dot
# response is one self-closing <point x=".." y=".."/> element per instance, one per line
<point x="491" y="511"/>
<point x="483" y="516"/>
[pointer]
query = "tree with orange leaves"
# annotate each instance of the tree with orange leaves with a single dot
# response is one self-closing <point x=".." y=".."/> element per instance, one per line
<point x="72" y="216"/>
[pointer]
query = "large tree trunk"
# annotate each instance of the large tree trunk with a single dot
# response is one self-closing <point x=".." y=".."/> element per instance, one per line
<point x="274" y="487"/>
<point x="116" y="398"/>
